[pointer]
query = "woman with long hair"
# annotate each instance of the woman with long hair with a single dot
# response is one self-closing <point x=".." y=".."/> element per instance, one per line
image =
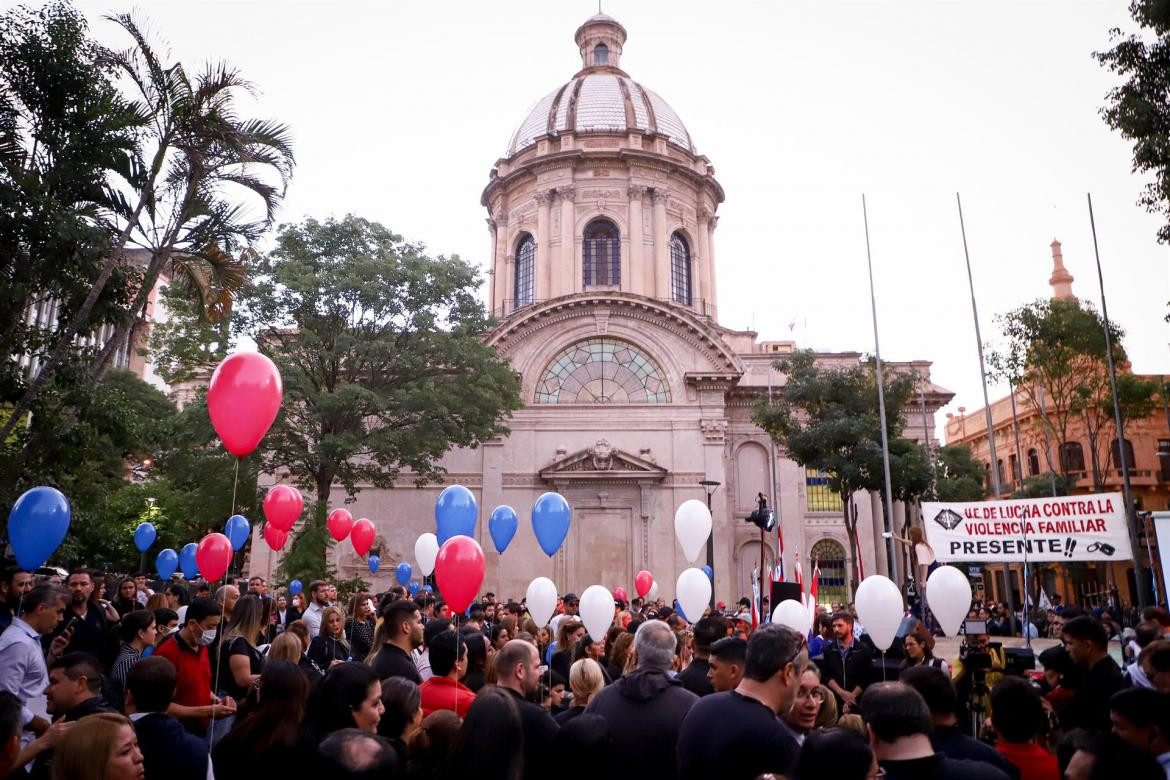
<point x="403" y="715"/>
<point x="267" y="738"/>
<point x="126" y="599"/>
<point x="919" y="646"/>
<point x="137" y="632"/>
<point x="586" y="681"/>
<point x="428" y="749"/>
<point x="490" y="745"/>
<point x="348" y="697"/>
<point x="359" y="626"/>
<point x="477" y="657"/>
<point x="289" y="647"/>
<point x="99" y="747"/>
<point x="619" y="655"/>
<point x="156" y="601"/>
<point x="240" y="659"/>
<point x="567" y="635"/>
<point x="329" y="647"/>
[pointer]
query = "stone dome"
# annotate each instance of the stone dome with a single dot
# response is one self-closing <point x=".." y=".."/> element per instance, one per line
<point x="601" y="98"/>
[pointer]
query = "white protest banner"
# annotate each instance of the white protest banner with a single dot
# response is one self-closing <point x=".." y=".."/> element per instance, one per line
<point x="1068" y="528"/>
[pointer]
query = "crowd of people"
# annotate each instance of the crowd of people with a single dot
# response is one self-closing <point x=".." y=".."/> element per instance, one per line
<point x="192" y="683"/>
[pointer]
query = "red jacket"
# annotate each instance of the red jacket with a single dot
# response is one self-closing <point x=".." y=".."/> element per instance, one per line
<point x="193" y="688"/>
<point x="1033" y="761"/>
<point x="443" y="693"/>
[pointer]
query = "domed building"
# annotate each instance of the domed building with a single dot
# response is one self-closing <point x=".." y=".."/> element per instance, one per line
<point x="602" y="214"/>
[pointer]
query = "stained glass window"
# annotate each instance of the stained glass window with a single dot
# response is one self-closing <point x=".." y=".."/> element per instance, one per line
<point x="525" y="254"/>
<point x="680" y="270"/>
<point x="818" y="495"/>
<point x="832" y="585"/>
<point x="602" y="248"/>
<point x="602" y="371"/>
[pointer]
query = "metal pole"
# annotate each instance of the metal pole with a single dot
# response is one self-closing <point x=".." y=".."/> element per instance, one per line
<point x="1020" y="466"/>
<point x="1008" y="575"/>
<point x="892" y="562"/>
<point x="775" y="496"/>
<point x="1129" y="507"/>
<point x="710" y="486"/>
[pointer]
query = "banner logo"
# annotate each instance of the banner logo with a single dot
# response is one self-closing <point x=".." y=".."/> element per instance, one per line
<point x="948" y="519"/>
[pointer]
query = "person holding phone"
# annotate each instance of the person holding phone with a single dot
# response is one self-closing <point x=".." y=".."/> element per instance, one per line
<point x="88" y="622"/>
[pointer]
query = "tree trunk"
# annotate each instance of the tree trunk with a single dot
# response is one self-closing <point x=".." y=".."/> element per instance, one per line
<point x="65" y="340"/>
<point x="157" y="261"/>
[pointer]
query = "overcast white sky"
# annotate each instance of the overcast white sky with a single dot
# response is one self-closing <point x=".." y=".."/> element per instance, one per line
<point x="399" y="110"/>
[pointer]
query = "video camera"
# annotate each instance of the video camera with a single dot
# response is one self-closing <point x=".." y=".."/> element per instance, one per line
<point x="976" y="657"/>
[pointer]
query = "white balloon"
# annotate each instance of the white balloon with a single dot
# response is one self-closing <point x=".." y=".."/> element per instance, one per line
<point x="596" y="611"/>
<point x="793" y="614"/>
<point x="692" y="526"/>
<point x="653" y="592"/>
<point x="880" y="609"/>
<point x="541" y="600"/>
<point x="426" y="549"/>
<point x="948" y="594"/>
<point x="693" y="591"/>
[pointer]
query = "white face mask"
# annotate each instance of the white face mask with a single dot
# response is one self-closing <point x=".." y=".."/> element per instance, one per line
<point x="207" y="637"/>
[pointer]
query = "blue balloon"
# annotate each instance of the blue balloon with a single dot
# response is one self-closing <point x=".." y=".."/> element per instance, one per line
<point x="403" y="572"/>
<point x="37" y="525"/>
<point x="237" y="530"/>
<point x="502" y="526"/>
<point x="550" y="521"/>
<point x="187" y="561"/>
<point x="148" y="651"/>
<point x="709" y="572"/>
<point x="678" y="608"/>
<point x="428" y="589"/>
<point x="373" y="562"/>
<point x="455" y="513"/>
<point x="166" y="563"/>
<point x="295" y="587"/>
<point x="144" y="536"/>
<point x="414" y="587"/>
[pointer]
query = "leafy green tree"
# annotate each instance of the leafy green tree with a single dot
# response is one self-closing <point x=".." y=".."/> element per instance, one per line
<point x="960" y="476"/>
<point x="1139" y="108"/>
<point x="1040" y="486"/>
<point x="385" y="368"/>
<point x="826" y="418"/>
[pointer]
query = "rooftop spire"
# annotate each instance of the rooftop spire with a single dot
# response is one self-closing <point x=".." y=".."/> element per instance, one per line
<point x="1061" y="280"/>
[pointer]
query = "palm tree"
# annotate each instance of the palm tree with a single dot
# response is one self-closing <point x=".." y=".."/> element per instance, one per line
<point x="187" y="210"/>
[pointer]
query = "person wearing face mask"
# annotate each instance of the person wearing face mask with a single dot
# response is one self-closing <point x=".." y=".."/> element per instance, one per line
<point x="193" y="703"/>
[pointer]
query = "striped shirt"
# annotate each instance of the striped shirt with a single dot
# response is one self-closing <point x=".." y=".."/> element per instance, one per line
<point x="127" y="658"/>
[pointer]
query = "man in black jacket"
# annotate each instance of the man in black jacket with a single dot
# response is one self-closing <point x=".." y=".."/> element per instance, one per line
<point x="168" y="749"/>
<point x="518" y="673"/>
<point x="694" y="678"/>
<point x="74" y="691"/>
<point x="846" y="664"/>
<point x="1087" y="643"/>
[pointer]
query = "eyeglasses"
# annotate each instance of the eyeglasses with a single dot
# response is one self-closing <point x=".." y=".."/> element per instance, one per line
<point x="816" y="694"/>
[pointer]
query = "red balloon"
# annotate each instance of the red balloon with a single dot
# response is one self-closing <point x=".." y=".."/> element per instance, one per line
<point x="282" y="506"/>
<point x="274" y="536"/>
<point x="619" y="593"/>
<point x="214" y="555"/>
<point x="459" y="571"/>
<point x="362" y="536"/>
<point x="243" y="399"/>
<point x="642" y="582"/>
<point x="340" y="523"/>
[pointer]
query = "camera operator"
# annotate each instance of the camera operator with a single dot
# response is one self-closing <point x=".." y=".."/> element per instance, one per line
<point x="978" y="668"/>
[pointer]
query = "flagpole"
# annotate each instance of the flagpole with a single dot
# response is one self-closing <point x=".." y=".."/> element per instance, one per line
<point x="1024" y="623"/>
<point x="891" y="561"/>
<point x="1129" y="507"/>
<point x="994" y="467"/>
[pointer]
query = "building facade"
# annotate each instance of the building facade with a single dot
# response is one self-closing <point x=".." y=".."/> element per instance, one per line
<point x="1146" y="447"/>
<point x="602" y="217"/>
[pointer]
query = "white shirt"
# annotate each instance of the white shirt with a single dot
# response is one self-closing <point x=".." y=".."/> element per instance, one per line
<point x="22" y="668"/>
<point x="422" y="662"/>
<point x="312" y="618"/>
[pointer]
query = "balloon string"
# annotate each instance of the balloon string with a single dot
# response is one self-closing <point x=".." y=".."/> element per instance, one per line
<point x="235" y="484"/>
<point x="218" y="661"/>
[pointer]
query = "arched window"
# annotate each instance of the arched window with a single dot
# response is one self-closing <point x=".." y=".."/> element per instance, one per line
<point x="602" y="371"/>
<point x="1115" y="455"/>
<point x="680" y="269"/>
<point x="1072" y="456"/>
<point x="832" y="584"/>
<point x="999" y="470"/>
<point x="525" y="263"/>
<point x="601" y="54"/>
<point x="1033" y="462"/>
<point x="1014" y="466"/>
<point x="602" y="248"/>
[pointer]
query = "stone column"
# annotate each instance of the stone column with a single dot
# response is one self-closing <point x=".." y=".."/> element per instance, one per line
<point x="661" y="247"/>
<point x="635" y="261"/>
<point x="493" y="272"/>
<point x="569" y="264"/>
<point x="704" y="259"/>
<point x="503" y="294"/>
<point x="543" y="289"/>
<point x="709" y="289"/>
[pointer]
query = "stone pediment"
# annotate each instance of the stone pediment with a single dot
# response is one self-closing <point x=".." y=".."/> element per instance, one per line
<point x="601" y="462"/>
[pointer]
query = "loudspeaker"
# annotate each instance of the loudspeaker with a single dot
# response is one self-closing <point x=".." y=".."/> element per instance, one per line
<point x="782" y="591"/>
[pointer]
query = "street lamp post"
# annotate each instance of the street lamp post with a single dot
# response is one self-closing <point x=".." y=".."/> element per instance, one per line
<point x="711" y="486"/>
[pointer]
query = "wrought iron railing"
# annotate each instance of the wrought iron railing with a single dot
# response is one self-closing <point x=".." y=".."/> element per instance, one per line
<point x="698" y="306"/>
